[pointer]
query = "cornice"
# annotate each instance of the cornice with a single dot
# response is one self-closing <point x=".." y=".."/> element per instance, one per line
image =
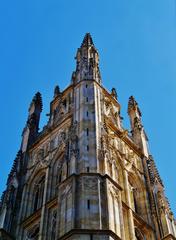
<point x="105" y="176"/>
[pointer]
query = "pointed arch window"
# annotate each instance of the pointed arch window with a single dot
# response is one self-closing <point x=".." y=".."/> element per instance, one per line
<point x="38" y="193"/>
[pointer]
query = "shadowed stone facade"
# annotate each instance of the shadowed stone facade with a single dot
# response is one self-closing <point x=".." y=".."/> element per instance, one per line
<point x="85" y="177"/>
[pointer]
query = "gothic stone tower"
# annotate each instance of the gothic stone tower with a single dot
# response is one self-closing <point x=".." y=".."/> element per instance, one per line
<point x="84" y="176"/>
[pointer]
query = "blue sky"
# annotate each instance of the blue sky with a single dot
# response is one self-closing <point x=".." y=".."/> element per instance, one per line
<point x="136" y="42"/>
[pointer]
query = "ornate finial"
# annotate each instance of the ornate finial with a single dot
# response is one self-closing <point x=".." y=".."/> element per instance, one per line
<point x="114" y="93"/>
<point x="133" y="105"/>
<point x="56" y="91"/>
<point x="87" y="41"/>
<point x="37" y="100"/>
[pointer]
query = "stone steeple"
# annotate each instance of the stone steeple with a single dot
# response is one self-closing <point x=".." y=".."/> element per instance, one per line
<point x="87" y="61"/>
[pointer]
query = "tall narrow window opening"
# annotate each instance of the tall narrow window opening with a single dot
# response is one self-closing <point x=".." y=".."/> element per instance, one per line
<point x="88" y="204"/>
<point x="38" y="193"/>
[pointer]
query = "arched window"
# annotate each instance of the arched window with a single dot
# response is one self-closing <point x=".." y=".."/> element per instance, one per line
<point x="38" y="193"/>
<point x="33" y="234"/>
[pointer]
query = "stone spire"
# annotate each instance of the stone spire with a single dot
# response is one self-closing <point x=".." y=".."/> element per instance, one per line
<point x="137" y="129"/>
<point x="87" y="60"/>
<point x="87" y="41"/>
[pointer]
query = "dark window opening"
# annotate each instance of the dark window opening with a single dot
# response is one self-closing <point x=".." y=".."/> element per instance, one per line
<point x="88" y="169"/>
<point x="65" y="103"/>
<point x="135" y="201"/>
<point x="87" y="132"/>
<point x="68" y="149"/>
<point x="87" y="99"/>
<point x="88" y="204"/>
<point x="60" y="177"/>
<point x="36" y="200"/>
<point x="87" y="114"/>
<point x="87" y="147"/>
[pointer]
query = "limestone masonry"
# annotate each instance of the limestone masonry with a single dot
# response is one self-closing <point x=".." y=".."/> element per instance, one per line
<point x="85" y="177"/>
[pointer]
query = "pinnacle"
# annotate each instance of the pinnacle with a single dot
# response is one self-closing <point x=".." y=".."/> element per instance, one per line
<point x="56" y="91"/>
<point x="37" y="99"/>
<point x="133" y="104"/>
<point x="87" y="41"/>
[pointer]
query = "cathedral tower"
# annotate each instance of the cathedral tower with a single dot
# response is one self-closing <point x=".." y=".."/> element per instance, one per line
<point x="84" y="176"/>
